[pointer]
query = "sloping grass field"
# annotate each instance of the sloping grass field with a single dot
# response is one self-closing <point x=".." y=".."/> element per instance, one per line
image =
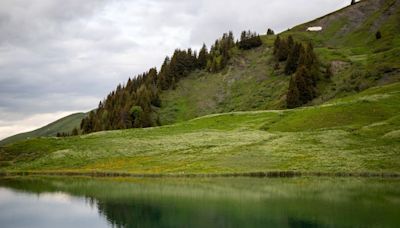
<point x="359" y="133"/>
<point x="345" y="131"/>
<point x="65" y="124"/>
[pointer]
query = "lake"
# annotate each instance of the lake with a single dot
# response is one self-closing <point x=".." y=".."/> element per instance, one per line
<point x="199" y="202"/>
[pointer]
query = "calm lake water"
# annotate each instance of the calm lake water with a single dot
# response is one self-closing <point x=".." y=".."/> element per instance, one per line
<point x="199" y="202"/>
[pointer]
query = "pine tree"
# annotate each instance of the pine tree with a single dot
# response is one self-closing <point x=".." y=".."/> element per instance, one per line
<point x="290" y="43"/>
<point x="270" y="32"/>
<point x="277" y="44"/>
<point x="293" y="59"/>
<point x="293" y="96"/>
<point x="328" y="71"/>
<point x="203" y="56"/>
<point x="304" y="85"/>
<point x="136" y="115"/>
<point x="75" y="131"/>
<point x="378" y="35"/>
<point x="249" y="40"/>
<point x="283" y="50"/>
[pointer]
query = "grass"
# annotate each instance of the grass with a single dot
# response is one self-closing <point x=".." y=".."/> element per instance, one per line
<point x="248" y="84"/>
<point x="252" y="83"/>
<point x="350" y="128"/>
<point x="353" y="134"/>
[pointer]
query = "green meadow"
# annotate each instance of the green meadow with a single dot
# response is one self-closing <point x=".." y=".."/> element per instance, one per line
<point x="235" y="121"/>
<point x="359" y="133"/>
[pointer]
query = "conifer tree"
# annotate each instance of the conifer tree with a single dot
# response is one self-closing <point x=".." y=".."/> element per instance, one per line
<point x="283" y="50"/>
<point x="304" y="85"/>
<point x="203" y="56"/>
<point x="378" y="35"/>
<point x="277" y="44"/>
<point x="75" y="131"/>
<point x="293" y="59"/>
<point x="290" y="43"/>
<point x="293" y="96"/>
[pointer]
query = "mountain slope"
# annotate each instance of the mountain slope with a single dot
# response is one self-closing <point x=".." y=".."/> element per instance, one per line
<point x="355" y="134"/>
<point x="352" y="126"/>
<point x="65" y="124"/>
<point x="347" y="45"/>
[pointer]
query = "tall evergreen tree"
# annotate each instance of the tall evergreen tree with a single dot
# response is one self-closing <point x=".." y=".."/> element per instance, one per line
<point x="290" y="43"/>
<point x="293" y="95"/>
<point x="277" y="44"/>
<point x="293" y="58"/>
<point x="378" y="35"/>
<point x="203" y="56"/>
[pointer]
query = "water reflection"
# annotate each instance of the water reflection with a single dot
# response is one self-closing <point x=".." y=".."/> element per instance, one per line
<point x="218" y="202"/>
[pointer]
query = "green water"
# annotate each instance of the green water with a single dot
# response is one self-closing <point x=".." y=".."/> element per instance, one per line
<point x="199" y="202"/>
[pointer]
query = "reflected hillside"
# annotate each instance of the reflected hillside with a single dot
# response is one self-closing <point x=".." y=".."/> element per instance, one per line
<point x="228" y="202"/>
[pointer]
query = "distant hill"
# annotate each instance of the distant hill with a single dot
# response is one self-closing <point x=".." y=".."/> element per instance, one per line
<point x="65" y="124"/>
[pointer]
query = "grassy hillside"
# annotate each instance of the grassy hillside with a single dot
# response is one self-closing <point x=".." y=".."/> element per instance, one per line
<point x="347" y="45"/>
<point x="65" y="124"/>
<point x="353" y="125"/>
<point x="359" y="133"/>
<point x="248" y="83"/>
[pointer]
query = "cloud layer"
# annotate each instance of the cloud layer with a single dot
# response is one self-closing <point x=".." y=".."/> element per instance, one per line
<point x="60" y="56"/>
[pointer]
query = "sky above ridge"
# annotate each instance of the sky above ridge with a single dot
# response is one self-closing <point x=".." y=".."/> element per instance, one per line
<point x="59" y="57"/>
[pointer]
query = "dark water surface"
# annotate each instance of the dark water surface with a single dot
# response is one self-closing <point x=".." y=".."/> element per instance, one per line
<point x="199" y="202"/>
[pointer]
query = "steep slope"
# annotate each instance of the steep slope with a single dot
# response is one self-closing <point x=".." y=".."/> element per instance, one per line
<point x="347" y="45"/>
<point x="248" y="83"/>
<point x="65" y="124"/>
<point x="355" y="134"/>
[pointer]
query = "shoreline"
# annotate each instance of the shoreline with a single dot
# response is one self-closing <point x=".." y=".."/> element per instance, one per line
<point x="269" y="174"/>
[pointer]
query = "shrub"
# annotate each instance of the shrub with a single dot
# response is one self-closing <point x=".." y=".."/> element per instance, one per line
<point x="378" y="35"/>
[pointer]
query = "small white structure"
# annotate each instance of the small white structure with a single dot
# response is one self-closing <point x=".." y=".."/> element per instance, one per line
<point x="314" y="29"/>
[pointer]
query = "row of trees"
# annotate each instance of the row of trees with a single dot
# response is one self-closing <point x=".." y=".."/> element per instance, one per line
<point x="301" y="61"/>
<point x="130" y="105"/>
<point x="135" y="104"/>
<point x="249" y="40"/>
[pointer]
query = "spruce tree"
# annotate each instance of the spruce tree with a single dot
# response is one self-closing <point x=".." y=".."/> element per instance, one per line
<point x="283" y="50"/>
<point x="277" y="43"/>
<point x="293" y="96"/>
<point x="75" y="131"/>
<point x="304" y="85"/>
<point x="270" y="32"/>
<point x="293" y="59"/>
<point x="202" y="59"/>
<point x="290" y="43"/>
<point x="378" y="35"/>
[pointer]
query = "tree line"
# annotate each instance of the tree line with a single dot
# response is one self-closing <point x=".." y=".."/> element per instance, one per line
<point x="302" y="64"/>
<point x="135" y="104"/>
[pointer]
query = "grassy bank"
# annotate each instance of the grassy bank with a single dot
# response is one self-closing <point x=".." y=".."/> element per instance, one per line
<point x="356" y="134"/>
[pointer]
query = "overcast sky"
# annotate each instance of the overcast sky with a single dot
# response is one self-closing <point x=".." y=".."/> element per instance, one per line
<point x="63" y="56"/>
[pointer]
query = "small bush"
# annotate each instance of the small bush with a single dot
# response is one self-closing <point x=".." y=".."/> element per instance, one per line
<point x="378" y="35"/>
